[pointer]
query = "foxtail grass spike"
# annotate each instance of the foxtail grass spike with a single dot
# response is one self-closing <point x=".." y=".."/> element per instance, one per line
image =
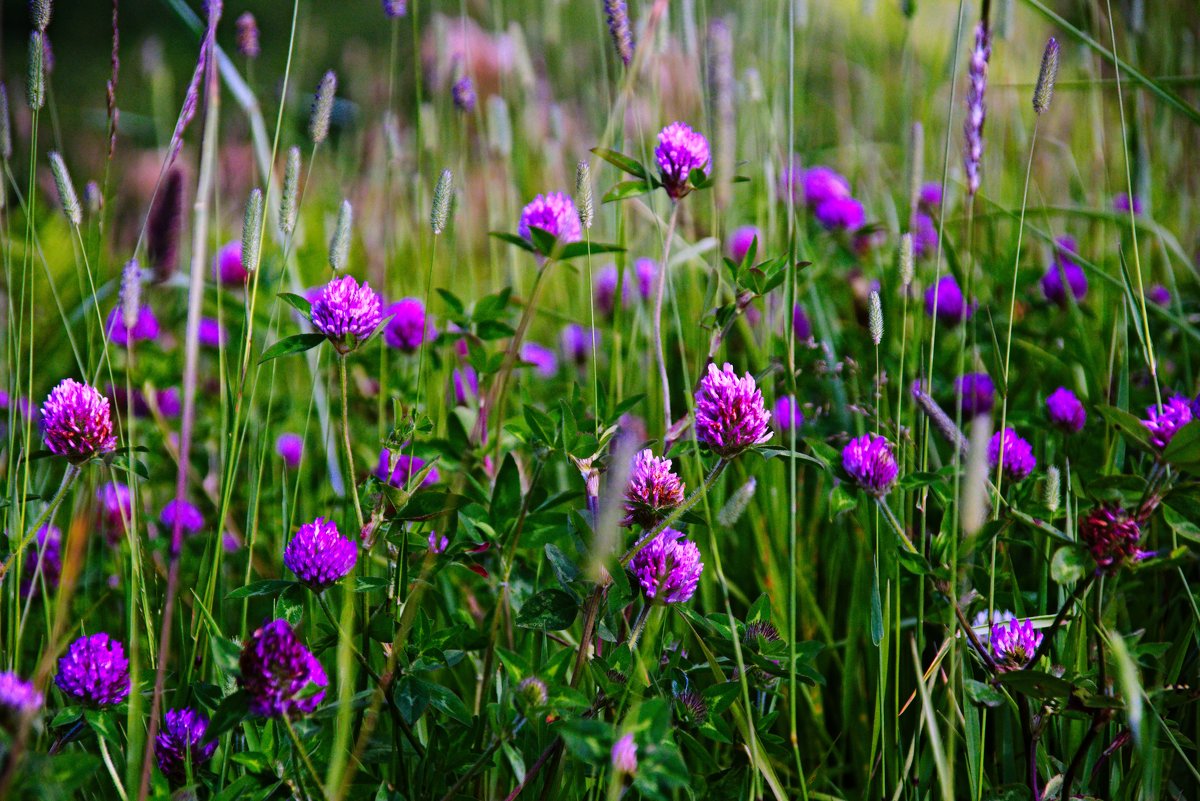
<point x="442" y="196"/>
<point x="5" y="124"/>
<point x="1043" y="93"/>
<point x="339" y="246"/>
<point x="291" y="188"/>
<point x="976" y="107"/>
<point x="66" y="189"/>
<point x="1052" y="489"/>
<point x="938" y="418"/>
<point x="916" y="165"/>
<point x="131" y="293"/>
<point x="875" y="317"/>
<point x="164" y="227"/>
<point x="737" y="504"/>
<point x="907" y="259"/>
<point x="36" y="85"/>
<point x="583" y="194"/>
<point x="252" y="230"/>
<point x="322" y="108"/>
<point x="721" y="87"/>
<point x="975" y="482"/>
<point x="617" y="15"/>
<point x="39" y="10"/>
<point x="247" y="36"/>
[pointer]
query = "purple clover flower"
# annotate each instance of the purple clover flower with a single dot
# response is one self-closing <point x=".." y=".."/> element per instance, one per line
<point x="840" y="214"/>
<point x="319" y="556"/>
<point x="740" y="241"/>
<point x="1121" y="203"/>
<point x="406" y="467"/>
<point x="624" y="756"/>
<point x="189" y="517"/>
<point x="227" y="265"/>
<point x="605" y="291"/>
<point x="647" y="271"/>
<point x="395" y="8"/>
<point x="945" y="300"/>
<point x="668" y="567"/>
<point x="976" y="393"/>
<point x="463" y="94"/>
<point x="1159" y="295"/>
<point x="180" y="742"/>
<point x="787" y="413"/>
<point x="116" y="507"/>
<point x="870" y="462"/>
<point x="45" y="563"/>
<point x="18" y="699"/>
<point x="554" y="213"/>
<point x="930" y="195"/>
<point x="680" y="150"/>
<point x="1013" y="644"/>
<point x="346" y="313"/>
<point x="94" y="671"/>
<point x="1112" y="535"/>
<point x="653" y="491"/>
<point x="212" y="333"/>
<point x="1064" y="273"/>
<point x="576" y="343"/>
<point x="144" y="329"/>
<point x="730" y="414"/>
<point x="168" y="401"/>
<point x="1019" y="460"/>
<point x="544" y="360"/>
<point x="409" y="326"/>
<point x="801" y="325"/>
<point x="280" y="675"/>
<point x="77" y="423"/>
<point x="466" y="385"/>
<point x="822" y="185"/>
<point x="290" y="448"/>
<point x="1065" y="411"/>
<point x="925" y="235"/>
<point x="1165" y="421"/>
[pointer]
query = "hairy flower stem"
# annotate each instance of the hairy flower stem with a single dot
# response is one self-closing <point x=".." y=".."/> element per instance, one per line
<point x="895" y="524"/>
<point x="639" y="625"/>
<point x="204" y="190"/>
<point x="1030" y="739"/>
<point x="596" y="599"/>
<point x="660" y="282"/>
<point x="308" y="765"/>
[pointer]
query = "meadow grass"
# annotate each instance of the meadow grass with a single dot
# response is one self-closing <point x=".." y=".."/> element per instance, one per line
<point x="393" y="311"/>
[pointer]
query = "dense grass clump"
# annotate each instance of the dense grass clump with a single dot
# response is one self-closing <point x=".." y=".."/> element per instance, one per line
<point x="594" y="399"/>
